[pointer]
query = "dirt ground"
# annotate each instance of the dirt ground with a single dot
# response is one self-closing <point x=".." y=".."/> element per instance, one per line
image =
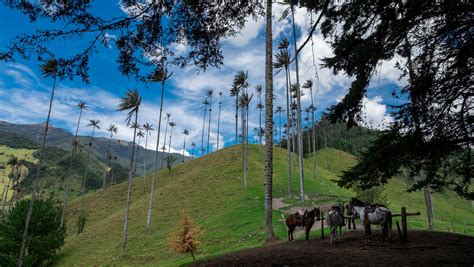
<point x="423" y="248"/>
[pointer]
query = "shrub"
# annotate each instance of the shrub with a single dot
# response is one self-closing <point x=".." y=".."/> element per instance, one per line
<point x="185" y="239"/>
<point x="81" y="221"/>
<point x="45" y="236"/>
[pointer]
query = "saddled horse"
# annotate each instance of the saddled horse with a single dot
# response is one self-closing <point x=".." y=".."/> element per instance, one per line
<point x="306" y="220"/>
<point x="372" y="214"/>
<point x="335" y="220"/>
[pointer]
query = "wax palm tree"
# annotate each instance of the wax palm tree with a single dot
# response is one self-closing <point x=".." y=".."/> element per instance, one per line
<point x="234" y="92"/>
<point x="159" y="75"/>
<point x="112" y="130"/>
<point x="282" y="61"/>
<point x="49" y="69"/>
<point x="299" y="134"/>
<point x="244" y="102"/>
<point x="112" y="178"/>
<point x="268" y="196"/>
<point x="309" y="85"/>
<point x="260" y="106"/>
<point x="193" y="145"/>
<point x="140" y="135"/>
<point x="95" y="125"/>
<point x="172" y="127"/>
<point x="219" y="118"/>
<point x="209" y="94"/>
<point x="131" y="103"/>
<point x="279" y="110"/>
<point x="148" y="128"/>
<point x="168" y="115"/>
<point x="186" y="133"/>
<point x="307" y="127"/>
<point x="205" y="103"/>
<point x="13" y="163"/>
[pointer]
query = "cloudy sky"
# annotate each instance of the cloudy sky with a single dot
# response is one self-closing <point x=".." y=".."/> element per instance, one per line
<point x="24" y="94"/>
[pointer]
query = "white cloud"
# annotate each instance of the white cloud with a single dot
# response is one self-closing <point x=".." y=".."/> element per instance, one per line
<point x="374" y="113"/>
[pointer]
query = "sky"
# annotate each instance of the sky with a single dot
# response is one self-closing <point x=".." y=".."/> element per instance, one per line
<point x="24" y="93"/>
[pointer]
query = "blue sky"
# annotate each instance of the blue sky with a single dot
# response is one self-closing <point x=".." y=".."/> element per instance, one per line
<point x="24" y="93"/>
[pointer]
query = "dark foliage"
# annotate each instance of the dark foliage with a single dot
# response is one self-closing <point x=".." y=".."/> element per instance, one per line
<point x="16" y="141"/>
<point x="45" y="236"/>
<point x="146" y="36"/>
<point x="433" y="44"/>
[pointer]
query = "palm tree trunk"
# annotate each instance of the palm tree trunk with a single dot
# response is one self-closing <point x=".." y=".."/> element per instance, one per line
<point x="288" y="134"/>
<point x="164" y="142"/>
<point x="260" y="124"/>
<point x="129" y="189"/>
<point x="280" y="128"/>
<point x="268" y="122"/>
<point x="218" y="122"/>
<point x="429" y="208"/>
<point x="70" y="173"/>
<point x="169" y="146"/>
<point x="298" y="105"/>
<point x="34" y="182"/>
<point x="152" y="187"/>
<point x="144" y="163"/>
<point x="184" y="147"/>
<point x="87" y="169"/>
<point x="237" y="118"/>
<point x="136" y="157"/>
<point x="243" y="145"/>
<point x="209" y="124"/>
<point x="203" y="129"/>
<point x="107" y="165"/>
<point x="313" y="133"/>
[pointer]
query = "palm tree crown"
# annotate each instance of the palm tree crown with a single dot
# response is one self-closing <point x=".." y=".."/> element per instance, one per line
<point x="131" y="102"/>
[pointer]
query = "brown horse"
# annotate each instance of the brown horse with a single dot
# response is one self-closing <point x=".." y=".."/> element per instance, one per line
<point x="306" y="220"/>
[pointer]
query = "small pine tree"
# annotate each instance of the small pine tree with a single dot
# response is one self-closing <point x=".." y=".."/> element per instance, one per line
<point x="185" y="239"/>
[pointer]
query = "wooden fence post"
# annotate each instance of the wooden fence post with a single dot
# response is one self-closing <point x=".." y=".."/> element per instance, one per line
<point x="322" y="225"/>
<point x="399" y="231"/>
<point x="404" y="224"/>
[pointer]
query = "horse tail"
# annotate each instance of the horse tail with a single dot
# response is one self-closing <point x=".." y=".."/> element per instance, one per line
<point x="285" y="221"/>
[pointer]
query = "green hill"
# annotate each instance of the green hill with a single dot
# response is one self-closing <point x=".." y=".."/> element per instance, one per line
<point x="211" y="188"/>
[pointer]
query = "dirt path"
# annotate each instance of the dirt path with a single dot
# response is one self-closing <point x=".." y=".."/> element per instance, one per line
<point x="423" y="248"/>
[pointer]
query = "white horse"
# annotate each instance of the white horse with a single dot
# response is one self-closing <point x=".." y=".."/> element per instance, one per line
<point x="335" y="220"/>
<point x="379" y="215"/>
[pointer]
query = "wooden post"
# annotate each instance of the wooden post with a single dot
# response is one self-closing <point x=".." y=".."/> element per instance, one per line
<point x="399" y="231"/>
<point x="404" y="224"/>
<point x="322" y="225"/>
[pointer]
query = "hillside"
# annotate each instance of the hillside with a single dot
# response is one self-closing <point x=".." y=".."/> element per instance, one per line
<point x="62" y="139"/>
<point x="231" y="217"/>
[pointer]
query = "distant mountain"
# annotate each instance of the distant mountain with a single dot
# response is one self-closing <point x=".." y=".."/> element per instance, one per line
<point x="61" y="138"/>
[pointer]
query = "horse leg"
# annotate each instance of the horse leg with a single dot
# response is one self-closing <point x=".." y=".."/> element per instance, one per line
<point x="292" y="229"/>
<point x="289" y="233"/>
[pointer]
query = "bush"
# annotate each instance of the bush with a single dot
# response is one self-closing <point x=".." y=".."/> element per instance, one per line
<point x="45" y="236"/>
<point x="186" y="238"/>
<point x="81" y="221"/>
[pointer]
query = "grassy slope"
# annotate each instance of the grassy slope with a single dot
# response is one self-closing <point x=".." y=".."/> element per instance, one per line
<point x="211" y="188"/>
<point x="5" y="153"/>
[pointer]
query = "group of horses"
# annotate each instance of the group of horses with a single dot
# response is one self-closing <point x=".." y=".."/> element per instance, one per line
<point x="367" y="213"/>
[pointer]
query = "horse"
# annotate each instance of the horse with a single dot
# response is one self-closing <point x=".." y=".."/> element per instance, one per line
<point x="372" y="214"/>
<point x="307" y="221"/>
<point x="335" y="220"/>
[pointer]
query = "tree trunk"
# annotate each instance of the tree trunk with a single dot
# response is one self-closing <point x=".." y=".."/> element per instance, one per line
<point x="144" y="162"/>
<point x="87" y="169"/>
<point x="136" y="157"/>
<point x="268" y="122"/>
<point x="184" y="148"/>
<point x="152" y="187"/>
<point x="203" y="129"/>
<point x="243" y="146"/>
<point x="107" y="165"/>
<point x="164" y="141"/>
<point x="169" y="146"/>
<point x="298" y="115"/>
<point x="129" y="188"/>
<point x="209" y="124"/>
<point x="34" y="182"/>
<point x="219" y="121"/>
<point x="313" y="132"/>
<point x="288" y="130"/>
<point x="429" y="208"/>
<point x="237" y="118"/>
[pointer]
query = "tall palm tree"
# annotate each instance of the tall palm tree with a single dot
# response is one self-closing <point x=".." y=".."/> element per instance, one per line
<point x="140" y="135"/>
<point x="309" y="85"/>
<point x="279" y="110"/>
<point x="193" y="145"/>
<point x="112" y="178"/>
<point x="112" y="130"/>
<point x="260" y="106"/>
<point x="219" y="118"/>
<point x="95" y="125"/>
<point x="82" y="106"/>
<point x="49" y="69"/>
<point x="209" y="94"/>
<point x="186" y="133"/>
<point x="148" y="128"/>
<point x="244" y="102"/>
<point x="131" y="103"/>
<point x="205" y="103"/>
<point x="268" y="122"/>
<point x="307" y="127"/>
<point x="172" y="126"/>
<point x="282" y="60"/>
<point x="168" y="115"/>
<point x="234" y="91"/>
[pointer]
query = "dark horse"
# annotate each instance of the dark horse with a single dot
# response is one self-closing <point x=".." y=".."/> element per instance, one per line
<point x="306" y="220"/>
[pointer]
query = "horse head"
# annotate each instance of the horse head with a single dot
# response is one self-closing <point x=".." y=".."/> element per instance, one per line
<point x="315" y="214"/>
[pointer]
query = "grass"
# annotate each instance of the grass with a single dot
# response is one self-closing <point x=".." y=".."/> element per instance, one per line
<point x="211" y="189"/>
